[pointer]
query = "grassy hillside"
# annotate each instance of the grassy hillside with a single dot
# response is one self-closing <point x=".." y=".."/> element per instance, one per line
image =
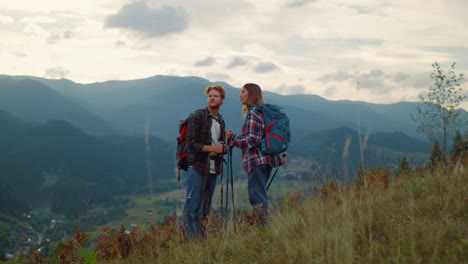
<point x="419" y="217"/>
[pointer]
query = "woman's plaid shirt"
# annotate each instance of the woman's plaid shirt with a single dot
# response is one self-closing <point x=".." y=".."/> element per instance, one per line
<point x="199" y="135"/>
<point x="250" y="142"/>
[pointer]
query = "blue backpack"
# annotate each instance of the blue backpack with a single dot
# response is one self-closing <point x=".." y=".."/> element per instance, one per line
<point x="277" y="134"/>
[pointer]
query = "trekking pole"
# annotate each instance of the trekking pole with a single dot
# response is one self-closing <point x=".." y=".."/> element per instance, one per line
<point x="231" y="174"/>
<point x="274" y="174"/>
<point x="222" y="179"/>
<point x="227" y="189"/>
<point x="271" y="180"/>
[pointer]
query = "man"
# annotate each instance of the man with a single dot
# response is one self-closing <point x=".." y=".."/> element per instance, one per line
<point x="205" y="135"/>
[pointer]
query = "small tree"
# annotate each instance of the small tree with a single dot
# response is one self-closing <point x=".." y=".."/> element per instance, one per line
<point x="438" y="116"/>
<point x="404" y="166"/>
<point x="438" y="156"/>
<point x="459" y="147"/>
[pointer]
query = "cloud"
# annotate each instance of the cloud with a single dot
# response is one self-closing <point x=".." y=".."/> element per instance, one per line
<point x="216" y="76"/>
<point x="293" y="89"/>
<point x="55" y="36"/>
<point x="149" y="22"/>
<point x="330" y="91"/>
<point x="338" y="76"/>
<point x="236" y="61"/>
<point x="297" y="3"/>
<point x="119" y="44"/>
<point x="38" y="20"/>
<point x="419" y="80"/>
<point x="19" y="54"/>
<point x="57" y="72"/>
<point x="374" y="79"/>
<point x="6" y="20"/>
<point x="313" y="46"/>
<point x="371" y="83"/>
<point x="400" y="77"/>
<point x="265" y="67"/>
<point x="362" y="9"/>
<point x="374" y="74"/>
<point x="205" y="62"/>
<point x="67" y="34"/>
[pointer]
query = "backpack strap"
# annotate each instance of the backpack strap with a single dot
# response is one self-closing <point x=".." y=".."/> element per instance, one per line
<point x="257" y="107"/>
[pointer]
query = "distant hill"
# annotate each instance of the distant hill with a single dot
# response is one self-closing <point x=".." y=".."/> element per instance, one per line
<point x="41" y="160"/>
<point x="338" y="150"/>
<point x="32" y="100"/>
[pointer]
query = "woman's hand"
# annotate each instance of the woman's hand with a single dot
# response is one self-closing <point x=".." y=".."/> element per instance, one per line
<point x="283" y="158"/>
<point x="228" y="134"/>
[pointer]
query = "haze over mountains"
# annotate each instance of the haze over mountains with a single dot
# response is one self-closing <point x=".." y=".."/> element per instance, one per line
<point x="94" y="140"/>
<point x="161" y="101"/>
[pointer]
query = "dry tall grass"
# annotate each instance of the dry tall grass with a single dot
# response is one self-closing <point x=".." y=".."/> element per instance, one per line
<point x="420" y="217"/>
<point x="415" y="218"/>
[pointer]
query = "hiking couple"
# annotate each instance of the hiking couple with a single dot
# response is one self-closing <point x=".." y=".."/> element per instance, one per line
<point x="206" y="137"/>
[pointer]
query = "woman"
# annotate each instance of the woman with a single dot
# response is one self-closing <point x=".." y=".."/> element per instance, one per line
<point x="257" y="165"/>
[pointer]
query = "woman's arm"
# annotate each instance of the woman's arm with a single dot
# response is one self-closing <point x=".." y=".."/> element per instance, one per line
<point x="253" y="133"/>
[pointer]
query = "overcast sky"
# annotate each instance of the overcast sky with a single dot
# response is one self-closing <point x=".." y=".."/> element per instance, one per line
<point x="323" y="47"/>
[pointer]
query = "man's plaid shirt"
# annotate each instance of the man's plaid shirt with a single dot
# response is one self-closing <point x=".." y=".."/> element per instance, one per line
<point x="250" y="142"/>
<point x="199" y="135"/>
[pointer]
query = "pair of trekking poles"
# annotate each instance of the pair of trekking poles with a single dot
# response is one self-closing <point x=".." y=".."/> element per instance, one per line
<point x="230" y="178"/>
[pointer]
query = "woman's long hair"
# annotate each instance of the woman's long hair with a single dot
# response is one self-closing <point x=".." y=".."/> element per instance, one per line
<point x="255" y="96"/>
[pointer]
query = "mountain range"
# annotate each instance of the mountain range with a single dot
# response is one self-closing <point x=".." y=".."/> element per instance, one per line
<point x="161" y="101"/>
<point x="95" y="140"/>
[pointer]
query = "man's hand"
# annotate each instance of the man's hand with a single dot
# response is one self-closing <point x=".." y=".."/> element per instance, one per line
<point x="220" y="148"/>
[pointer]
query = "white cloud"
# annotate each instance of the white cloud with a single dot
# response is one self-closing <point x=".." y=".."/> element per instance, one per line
<point x="265" y="67"/>
<point x="57" y="73"/>
<point x="292" y="89"/>
<point x="38" y="20"/>
<point x="55" y="36"/>
<point x="338" y="76"/>
<point x="236" y="62"/>
<point x="208" y="61"/>
<point x="6" y="19"/>
<point x="150" y="22"/>
<point x="297" y="3"/>
<point x="217" y="76"/>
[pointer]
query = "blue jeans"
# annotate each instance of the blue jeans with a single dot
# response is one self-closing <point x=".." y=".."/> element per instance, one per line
<point x="257" y="180"/>
<point x="200" y="189"/>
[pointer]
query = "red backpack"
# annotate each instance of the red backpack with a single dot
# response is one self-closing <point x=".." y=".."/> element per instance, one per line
<point x="182" y="153"/>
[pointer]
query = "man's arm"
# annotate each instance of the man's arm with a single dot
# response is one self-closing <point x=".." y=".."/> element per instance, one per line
<point x="193" y="132"/>
<point x="195" y="124"/>
<point x="220" y="148"/>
